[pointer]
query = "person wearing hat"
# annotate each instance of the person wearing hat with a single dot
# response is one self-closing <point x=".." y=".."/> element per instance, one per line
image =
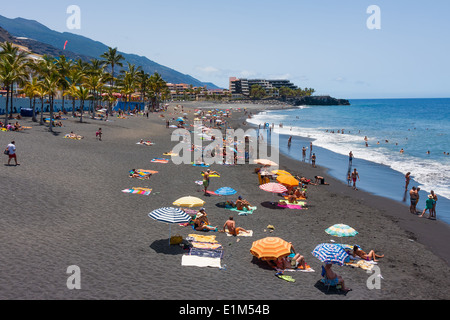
<point x="201" y="222"/>
<point x="429" y="206"/>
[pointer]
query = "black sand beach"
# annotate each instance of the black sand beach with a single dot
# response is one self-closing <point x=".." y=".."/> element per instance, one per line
<point x="63" y="206"/>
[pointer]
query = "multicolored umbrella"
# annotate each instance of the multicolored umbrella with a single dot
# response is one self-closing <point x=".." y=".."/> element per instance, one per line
<point x="271" y="248"/>
<point x="330" y="253"/>
<point x="341" y="230"/>
<point x="170" y="216"/>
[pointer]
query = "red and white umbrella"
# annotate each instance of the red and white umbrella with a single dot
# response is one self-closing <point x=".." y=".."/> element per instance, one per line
<point x="273" y="187"/>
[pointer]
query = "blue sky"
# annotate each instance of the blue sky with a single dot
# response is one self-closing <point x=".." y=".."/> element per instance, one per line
<point x="321" y="44"/>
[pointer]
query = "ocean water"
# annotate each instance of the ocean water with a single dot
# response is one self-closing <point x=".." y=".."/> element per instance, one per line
<point x="417" y="126"/>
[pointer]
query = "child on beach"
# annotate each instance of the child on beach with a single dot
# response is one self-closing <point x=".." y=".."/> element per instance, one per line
<point x="98" y="134"/>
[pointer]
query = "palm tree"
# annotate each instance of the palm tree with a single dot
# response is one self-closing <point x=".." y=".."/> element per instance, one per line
<point x="112" y="58"/>
<point x="41" y="93"/>
<point x="157" y="86"/>
<point x="30" y="90"/>
<point x="74" y="78"/>
<point x="63" y="67"/>
<point x="13" y="69"/>
<point x="82" y="94"/>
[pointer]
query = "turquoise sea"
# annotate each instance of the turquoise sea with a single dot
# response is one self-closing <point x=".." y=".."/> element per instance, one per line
<point x="418" y="126"/>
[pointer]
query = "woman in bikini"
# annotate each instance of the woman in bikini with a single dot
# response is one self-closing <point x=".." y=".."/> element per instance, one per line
<point x="368" y="257"/>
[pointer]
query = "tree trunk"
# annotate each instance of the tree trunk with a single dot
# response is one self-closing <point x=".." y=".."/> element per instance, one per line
<point x="42" y="111"/>
<point x="51" y="114"/>
<point x="7" y="105"/>
<point x="34" y="110"/>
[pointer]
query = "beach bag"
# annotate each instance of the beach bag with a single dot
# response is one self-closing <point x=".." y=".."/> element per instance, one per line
<point x="176" y="240"/>
<point x="6" y="151"/>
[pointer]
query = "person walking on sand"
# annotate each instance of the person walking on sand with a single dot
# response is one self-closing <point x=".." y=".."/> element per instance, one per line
<point x="355" y="176"/>
<point x="99" y="134"/>
<point x="11" y="148"/>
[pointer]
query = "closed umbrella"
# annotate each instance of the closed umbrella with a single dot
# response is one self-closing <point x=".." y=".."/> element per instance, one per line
<point x="330" y="253"/>
<point x="170" y="216"/>
<point x="271" y="248"/>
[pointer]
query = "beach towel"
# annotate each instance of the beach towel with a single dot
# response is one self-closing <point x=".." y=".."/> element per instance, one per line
<point x="296" y="205"/>
<point x="206" y="245"/>
<point x="201" y="238"/>
<point x="170" y="154"/>
<point x="202" y="262"/>
<point x="299" y="269"/>
<point x="141" y="191"/>
<point x="146" y="143"/>
<point x="365" y="265"/>
<point x="209" y="253"/>
<point x="212" y="175"/>
<point x="165" y="161"/>
<point x="201" y="165"/>
<point x="249" y="233"/>
<point x="243" y="212"/>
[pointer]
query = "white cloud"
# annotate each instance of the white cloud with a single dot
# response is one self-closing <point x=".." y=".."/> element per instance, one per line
<point x="208" y="70"/>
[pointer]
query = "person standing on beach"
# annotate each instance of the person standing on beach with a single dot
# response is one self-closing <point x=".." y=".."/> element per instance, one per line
<point x="407" y="180"/>
<point x="206" y="179"/>
<point x="355" y="176"/>
<point x="290" y="141"/>
<point x="313" y="159"/>
<point x="413" y="199"/>
<point x="99" y="134"/>
<point x="433" y="211"/>
<point x="12" y="153"/>
<point x="304" y="154"/>
<point x="350" y="159"/>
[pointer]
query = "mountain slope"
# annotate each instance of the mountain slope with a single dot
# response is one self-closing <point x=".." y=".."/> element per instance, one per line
<point x="86" y="47"/>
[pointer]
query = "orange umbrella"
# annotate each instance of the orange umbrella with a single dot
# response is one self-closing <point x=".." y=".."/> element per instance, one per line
<point x="281" y="172"/>
<point x="288" y="180"/>
<point x="270" y="248"/>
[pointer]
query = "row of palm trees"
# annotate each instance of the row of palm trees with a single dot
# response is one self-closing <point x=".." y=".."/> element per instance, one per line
<point x="94" y="81"/>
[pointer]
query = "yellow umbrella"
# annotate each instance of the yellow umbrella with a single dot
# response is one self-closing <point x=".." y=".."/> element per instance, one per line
<point x="271" y="248"/>
<point x="288" y="180"/>
<point x="189" y="202"/>
<point x="266" y="162"/>
<point x="281" y="172"/>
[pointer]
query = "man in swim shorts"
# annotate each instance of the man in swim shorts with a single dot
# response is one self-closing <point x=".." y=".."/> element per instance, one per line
<point x="355" y="176"/>
<point x="231" y="226"/>
<point x="413" y="199"/>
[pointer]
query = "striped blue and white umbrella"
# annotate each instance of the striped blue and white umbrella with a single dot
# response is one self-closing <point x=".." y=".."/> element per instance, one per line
<point x="330" y="253"/>
<point x="170" y="216"/>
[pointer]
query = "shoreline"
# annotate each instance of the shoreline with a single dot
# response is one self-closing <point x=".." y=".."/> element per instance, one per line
<point x="67" y="209"/>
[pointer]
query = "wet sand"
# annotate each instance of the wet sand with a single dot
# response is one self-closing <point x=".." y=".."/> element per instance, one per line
<point x="64" y="206"/>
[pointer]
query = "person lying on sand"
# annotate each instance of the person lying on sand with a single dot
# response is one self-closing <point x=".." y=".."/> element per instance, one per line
<point x="231" y="226"/>
<point x="368" y="257"/>
<point x="320" y="181"/>
<point x="72" y="135"/>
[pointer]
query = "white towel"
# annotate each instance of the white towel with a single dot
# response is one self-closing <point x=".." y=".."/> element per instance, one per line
<point x="202" y="262"/>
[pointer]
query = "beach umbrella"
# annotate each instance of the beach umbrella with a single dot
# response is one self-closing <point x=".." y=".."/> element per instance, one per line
<point x="266" y="162"/>
<point x="271" y="248"/>
<point x="273" y="187"/>
<point x="341" y="230"/>
<point x="287" y="180"/>
<point x="180" y="120"/>
<point x="170" y="216"/>
<point x="330" y="253"/>
<point x="226" y="191"/>
<point x="189" y="202"/>
<point x="281" y="172"/>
